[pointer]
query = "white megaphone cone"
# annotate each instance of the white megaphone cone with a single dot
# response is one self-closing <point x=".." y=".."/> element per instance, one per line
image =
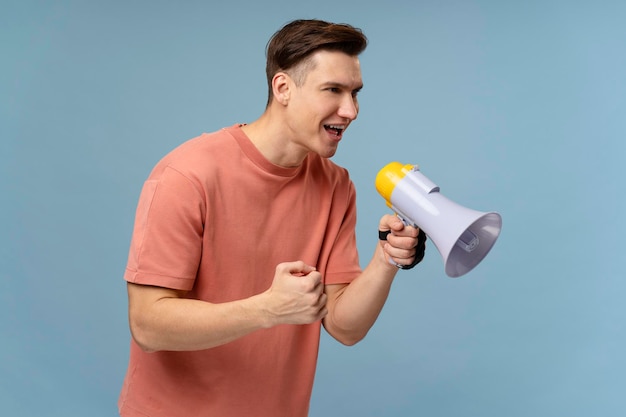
<point x="462" y="236"/>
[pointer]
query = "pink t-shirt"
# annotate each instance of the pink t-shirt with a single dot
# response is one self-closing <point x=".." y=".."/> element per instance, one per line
<point x="215" y="218"/>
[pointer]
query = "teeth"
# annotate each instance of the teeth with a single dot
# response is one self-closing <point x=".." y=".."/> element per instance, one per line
<point x="336" y="127"/>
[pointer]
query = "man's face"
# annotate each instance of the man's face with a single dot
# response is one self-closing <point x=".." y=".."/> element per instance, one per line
<point x="322" y="108"/>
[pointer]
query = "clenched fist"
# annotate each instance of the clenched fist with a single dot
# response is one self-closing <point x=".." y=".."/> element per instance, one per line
<point x="297" y="294"/>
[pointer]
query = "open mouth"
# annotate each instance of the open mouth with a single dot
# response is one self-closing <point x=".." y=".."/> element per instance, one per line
<point x="335" y="130"/>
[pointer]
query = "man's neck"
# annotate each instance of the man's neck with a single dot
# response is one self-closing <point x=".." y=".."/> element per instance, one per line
<point x="269" y="136"/>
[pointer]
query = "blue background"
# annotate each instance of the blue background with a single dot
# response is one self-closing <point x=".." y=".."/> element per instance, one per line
<point x="517" y="107"/>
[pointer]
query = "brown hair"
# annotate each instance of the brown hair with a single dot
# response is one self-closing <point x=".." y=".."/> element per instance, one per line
<point x="299" y="39"/>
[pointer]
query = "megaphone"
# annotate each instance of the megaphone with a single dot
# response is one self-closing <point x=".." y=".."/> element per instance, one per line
<point x="462" y="236"/>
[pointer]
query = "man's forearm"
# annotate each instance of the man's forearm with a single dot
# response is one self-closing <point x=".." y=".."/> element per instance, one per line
<point x="354" y="308"/>
<point x="162" y="321"/>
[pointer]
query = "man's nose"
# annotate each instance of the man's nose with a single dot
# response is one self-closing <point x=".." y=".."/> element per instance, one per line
<point x="349" y="108"/>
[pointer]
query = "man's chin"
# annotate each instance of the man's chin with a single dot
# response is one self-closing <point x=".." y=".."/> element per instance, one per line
<point x="328" y="152"/>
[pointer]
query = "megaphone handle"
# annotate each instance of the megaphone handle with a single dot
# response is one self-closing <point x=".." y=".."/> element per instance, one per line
<point x="420" y="249"/>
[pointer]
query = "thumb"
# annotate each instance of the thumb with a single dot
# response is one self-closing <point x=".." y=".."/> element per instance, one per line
<point x="390" y="222"/>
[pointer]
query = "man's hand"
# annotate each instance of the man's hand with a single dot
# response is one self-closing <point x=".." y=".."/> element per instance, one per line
<point x="400" y="243"/>
<point x="296" y="295"/>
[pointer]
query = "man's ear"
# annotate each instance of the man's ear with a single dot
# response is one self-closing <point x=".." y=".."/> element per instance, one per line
<point x="281" y="84"/>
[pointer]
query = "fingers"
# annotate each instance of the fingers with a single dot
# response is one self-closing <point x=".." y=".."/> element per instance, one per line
<point x="399" y="242"/>
<point x="298" y="291"/>
<point x="396" y="226"/>
<point x="418" y="254"/>
<point x="398" y="256"/>
<point x="297" y="268"/>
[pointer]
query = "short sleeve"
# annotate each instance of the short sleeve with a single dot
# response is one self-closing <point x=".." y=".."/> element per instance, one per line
<point x="343" y="262"/>
<point x="166" y="245"/>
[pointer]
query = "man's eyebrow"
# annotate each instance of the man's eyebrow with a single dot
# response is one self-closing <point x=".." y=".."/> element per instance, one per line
<point x="343" y="86"/>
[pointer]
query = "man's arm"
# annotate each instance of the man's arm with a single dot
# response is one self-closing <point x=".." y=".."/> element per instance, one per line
<point x="353" y="308"/>
<point x="163" y="319"/>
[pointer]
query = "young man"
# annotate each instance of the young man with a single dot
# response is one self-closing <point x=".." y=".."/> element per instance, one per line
<point x="244" y="245"/>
